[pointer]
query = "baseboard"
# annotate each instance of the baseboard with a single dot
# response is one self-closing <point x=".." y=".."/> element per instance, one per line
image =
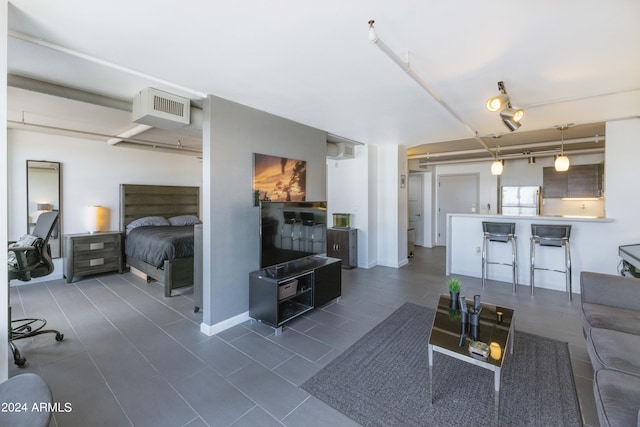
<point x="403" y="262"/>
<point x="210" y="330"/>
<point x="49" y="278"/>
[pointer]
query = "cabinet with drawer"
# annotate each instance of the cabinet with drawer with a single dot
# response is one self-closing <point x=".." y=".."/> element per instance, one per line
<point x="92" y="253"/>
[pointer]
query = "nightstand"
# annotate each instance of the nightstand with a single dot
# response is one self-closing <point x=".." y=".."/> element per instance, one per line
<point x="92" y="253"/>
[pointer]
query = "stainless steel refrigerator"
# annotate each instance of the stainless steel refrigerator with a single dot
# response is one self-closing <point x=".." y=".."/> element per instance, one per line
<point x="521" y="200"/>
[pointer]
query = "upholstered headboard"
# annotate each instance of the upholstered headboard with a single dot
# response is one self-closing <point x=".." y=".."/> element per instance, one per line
<point x="137" y="201"/>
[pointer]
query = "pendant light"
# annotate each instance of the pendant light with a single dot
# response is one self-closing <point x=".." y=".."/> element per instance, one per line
<point x="562" y="162"/>
<point x="498" y="165"/>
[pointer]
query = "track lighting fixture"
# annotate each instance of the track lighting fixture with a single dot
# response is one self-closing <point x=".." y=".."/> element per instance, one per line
<point x="561" y="162"/>
<point x="510" y="116"/>
<point x="497" y="103"/>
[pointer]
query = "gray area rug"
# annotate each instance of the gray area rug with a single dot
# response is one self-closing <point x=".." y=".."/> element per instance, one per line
<point x="383" y="379"/>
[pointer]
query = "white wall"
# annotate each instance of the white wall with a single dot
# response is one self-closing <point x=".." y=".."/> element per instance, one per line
<point x="4" y="325"/>
<point x="347" y="191"/>
<point x="91" y="174"/>
<point x="392" y="206"/>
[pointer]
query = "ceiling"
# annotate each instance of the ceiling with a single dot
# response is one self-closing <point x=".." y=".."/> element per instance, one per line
<point x="573" y="61"/>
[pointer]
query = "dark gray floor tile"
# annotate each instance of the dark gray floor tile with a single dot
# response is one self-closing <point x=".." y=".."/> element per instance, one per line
<point x="274" y="394"/>
<point x="297" y="370"/>
<point x="90" y="396"/>
<point x="257" y="417"/>
<point x="233" y="333"/>
<point x="301" y="344"/>
<point x="333" y="336"/>
<point x="261" y="350"/>
<point x="314" y="412"/>
<point x="216" y="401"/>
<point x="221" y="356"/>
<point x="153" y="402"/>
<point x="186" y="332"/>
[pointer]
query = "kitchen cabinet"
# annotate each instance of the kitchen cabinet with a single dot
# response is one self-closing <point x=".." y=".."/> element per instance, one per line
<point x="342" y="243"/>
<point x="579" y="181"/>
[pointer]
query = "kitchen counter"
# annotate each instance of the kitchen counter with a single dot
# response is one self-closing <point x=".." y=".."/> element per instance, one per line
<point x="564" y="218"/>
<point x="464" y="243"/>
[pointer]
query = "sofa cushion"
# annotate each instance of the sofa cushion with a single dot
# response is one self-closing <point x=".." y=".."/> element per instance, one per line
<point x="608" y="317"/>
<point x="617" y="397"/>
<point x="614" y="350"/>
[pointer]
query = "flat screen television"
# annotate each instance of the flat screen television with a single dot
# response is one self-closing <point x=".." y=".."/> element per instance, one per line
<point x="291" y="230"/>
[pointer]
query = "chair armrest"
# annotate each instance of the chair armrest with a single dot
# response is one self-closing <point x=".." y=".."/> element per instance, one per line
<point x="607" y="289"/>
<point x="21" y="248"/>
<point x="21" y="255"/>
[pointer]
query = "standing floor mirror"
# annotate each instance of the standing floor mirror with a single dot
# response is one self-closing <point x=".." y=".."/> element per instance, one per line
<point x="43" y="195"/>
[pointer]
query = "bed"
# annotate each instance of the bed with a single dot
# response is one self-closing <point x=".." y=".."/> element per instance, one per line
<point x="139" y="202"/>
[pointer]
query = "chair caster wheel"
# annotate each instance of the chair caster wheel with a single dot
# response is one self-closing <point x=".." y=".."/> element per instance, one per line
<point x="20" y="362"/>
<point x="59" y="337"/>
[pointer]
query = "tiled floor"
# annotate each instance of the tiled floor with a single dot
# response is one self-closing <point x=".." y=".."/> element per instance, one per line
<point x="131" y="357"/>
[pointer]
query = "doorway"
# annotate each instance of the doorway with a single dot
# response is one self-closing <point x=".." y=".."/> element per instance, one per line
<point x="456" y="194"/>
<point x="416" y="207"/>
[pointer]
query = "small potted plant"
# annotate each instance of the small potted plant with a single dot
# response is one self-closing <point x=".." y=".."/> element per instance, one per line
<point x="454" y="292"/>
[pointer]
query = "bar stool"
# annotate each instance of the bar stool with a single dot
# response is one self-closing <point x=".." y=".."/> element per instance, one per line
<point x="554" y="236"/>
<point x="311" y="234"/>
<point x="502" y="232"/>
<point x="288" y="230"/>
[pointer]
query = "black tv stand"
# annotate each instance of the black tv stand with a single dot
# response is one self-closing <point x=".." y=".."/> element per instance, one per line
<point x="283" y="292"/>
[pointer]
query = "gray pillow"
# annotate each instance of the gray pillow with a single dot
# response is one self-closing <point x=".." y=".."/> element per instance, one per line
<point x="147" y="221"/>
<point x="184" y="220"/>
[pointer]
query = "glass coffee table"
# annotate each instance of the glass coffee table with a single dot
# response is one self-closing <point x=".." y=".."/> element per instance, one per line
<point x="495" y="328"/>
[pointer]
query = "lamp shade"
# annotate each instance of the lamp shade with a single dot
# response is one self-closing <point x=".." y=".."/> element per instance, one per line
<point x="497" y="167"/>
<point x="562" y="163"/>
<point x="96" y="218"/>
<point x="43" y="207"/>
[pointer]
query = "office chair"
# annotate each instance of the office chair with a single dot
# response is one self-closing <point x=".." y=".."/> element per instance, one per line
<point x="28" y="258"/>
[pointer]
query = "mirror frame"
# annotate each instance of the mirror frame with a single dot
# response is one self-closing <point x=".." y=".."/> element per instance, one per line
<point x="45" y="196"/>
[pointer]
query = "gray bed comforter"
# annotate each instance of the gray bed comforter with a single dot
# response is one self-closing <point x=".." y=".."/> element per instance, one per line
<point x="154" y="245"/>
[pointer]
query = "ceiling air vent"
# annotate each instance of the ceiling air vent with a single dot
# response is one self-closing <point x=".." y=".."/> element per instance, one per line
<point x="160" y="109"/>
<point x="340" y="150"/>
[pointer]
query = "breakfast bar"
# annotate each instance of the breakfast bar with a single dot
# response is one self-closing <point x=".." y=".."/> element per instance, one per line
<point x="464" y="249"/>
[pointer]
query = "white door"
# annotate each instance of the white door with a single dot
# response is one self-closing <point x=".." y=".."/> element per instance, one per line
<point x="456" y="194"/>
<point x="416" y="214"/>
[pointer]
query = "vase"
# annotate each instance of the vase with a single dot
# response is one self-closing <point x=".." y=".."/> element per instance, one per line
<point x="454" y="302"/>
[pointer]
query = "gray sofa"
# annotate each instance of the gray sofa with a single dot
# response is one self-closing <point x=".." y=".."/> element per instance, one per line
<point x="611" y="322"/>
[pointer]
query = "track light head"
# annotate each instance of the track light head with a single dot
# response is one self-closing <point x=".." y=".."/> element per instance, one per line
<point x="511" y="117"/>
<point x="497" y="103"/>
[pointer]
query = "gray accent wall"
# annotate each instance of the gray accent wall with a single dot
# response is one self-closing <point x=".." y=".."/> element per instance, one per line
<point x="231" y="134"/>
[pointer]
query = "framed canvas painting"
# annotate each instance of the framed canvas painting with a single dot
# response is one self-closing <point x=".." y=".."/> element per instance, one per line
<point x="278" y="179"/>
